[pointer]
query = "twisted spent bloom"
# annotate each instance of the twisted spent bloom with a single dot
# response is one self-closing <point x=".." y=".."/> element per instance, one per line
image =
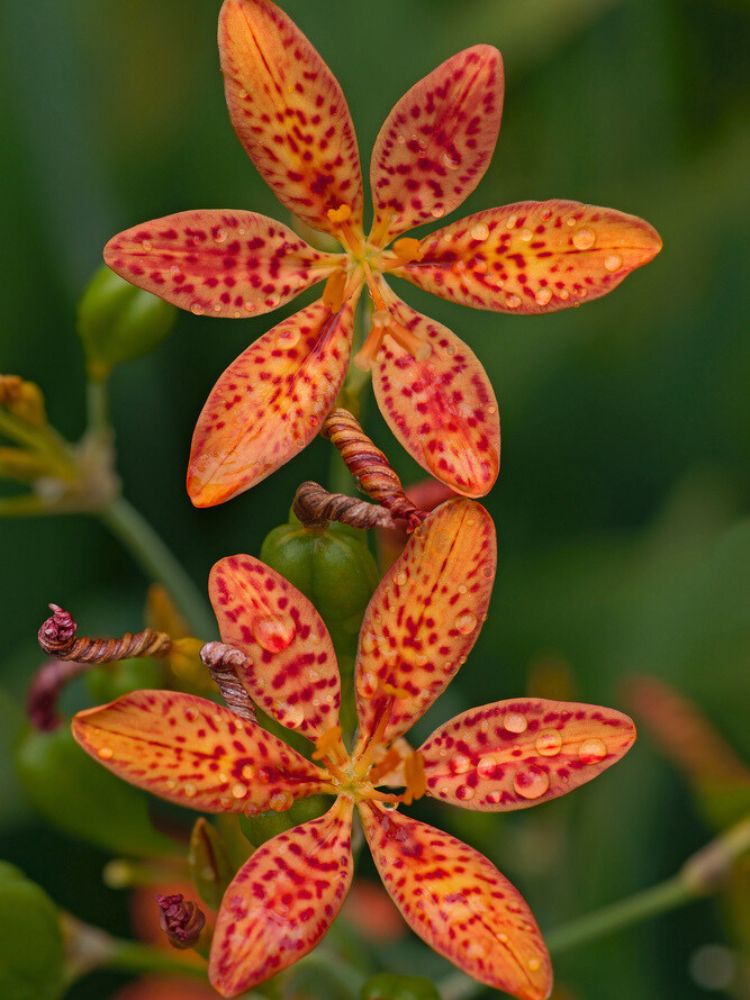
<point x="293" y="121"/>
<point x="418" y="629"/>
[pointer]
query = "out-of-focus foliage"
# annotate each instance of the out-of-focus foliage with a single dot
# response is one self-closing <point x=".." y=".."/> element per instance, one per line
<point x="31" y="947"/>
<point x="624" y="500"/>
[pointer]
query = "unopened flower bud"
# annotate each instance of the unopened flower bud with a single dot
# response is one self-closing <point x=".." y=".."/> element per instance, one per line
<point x="181" y="920"/>
<point x="23" y="399"/>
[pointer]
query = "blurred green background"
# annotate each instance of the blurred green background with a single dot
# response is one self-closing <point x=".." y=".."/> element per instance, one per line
<point x="622" y="506"/>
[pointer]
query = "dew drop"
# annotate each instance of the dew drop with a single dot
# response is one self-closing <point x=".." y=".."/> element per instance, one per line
<point x="531" y="783"/>
<point x="465" y="792"/>
<point x="494" y="797"/>
<point x="613" y="261"/>
<point x="511" y="222"/>
<point x="525" y="235"/>
<point x="147" y="245"/>
<point x="189" y="789"/>
<point x="564" y="294"/>
<point x="239" y="791"/>
<point x="220" y="236"/>
<point x="462" y="588"/>
<point x="466" y="622"/>
<point x="543" y="296"/>
<point x="288" y="338"/>
<point x="248" y="773"/>
<point x="367" y="683"/>
<point x="592" y="751"/>
<point x="549" y="743"/>
<point x="460" y="763"/>
<point x="450" y="162"/>
<point x="514" y="722"/>
<point x="584" y="239"/>
<point x="217" y="307"/>
<point x="492" y="410"/>
<point x="196" y="309"/>
<point x="291" y="716"/>
<point x="502" y="938"/>
<point x="534" y="965"/>
<point x="512" y="301"/>
<point x="486" y="766"/>
<point x="280" y="801"/>
<point x="401" y="579"/>
<point x="274" y="633"/>
<point x="480" y="231"/>
<point x="105" y="753"/>
<point x="437" y="212"/>
<point x="571" y="221"/>
<point x="272" y="301"/>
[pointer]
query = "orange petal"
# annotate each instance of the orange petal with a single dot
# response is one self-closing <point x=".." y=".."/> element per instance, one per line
<point x="514" y="754"/>
<point x="437" y="143"/>
<point x="195" y="753"/>
<point x="459" y="903"/>
<point x="533" y="257"/>
<point x="269" y="403"/>
<point x="282" y="901"/>
<point x="219" y="262"/>
<point x="292" y="673"/>
<point x="289" y="113"/>
<point x="424" y="618"/>
<point x="442" y="408"/>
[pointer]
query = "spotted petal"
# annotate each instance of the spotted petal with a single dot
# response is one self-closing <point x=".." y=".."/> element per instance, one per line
<point x="289" y="112"/>
<point x="442" y="408"/>
<point x="532" y="257"/>
<point x="292" y="673"/>
<point x="195" y="753"/>
<point x="424" y="618"/>
<point x="219" y="262"/>
<point x="282" y="901"/>
<point x="437" y="142"/>
<point x="514" y="754"/>
<point x="459" y="903"/>
<point x="269" y="403"/>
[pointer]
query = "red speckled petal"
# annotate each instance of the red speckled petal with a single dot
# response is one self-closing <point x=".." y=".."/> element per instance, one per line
<point x="221" y="263"/>
<point x="195" y="753"/>
<point x="289" y="112"/>
<point x="436" y="144"/>
<point x="293" y="674"/>
<point x="269" y="403"/>
<point x="443" y="408"/>
<point x="424" y="618"/>
<point x="282" y="901"/>
<point x="515" y="754"/>
<point x="533" y="257"/>
<point x="459" y="903"/>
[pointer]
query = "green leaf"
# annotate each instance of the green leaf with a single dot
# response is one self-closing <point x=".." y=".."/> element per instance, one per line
<point x="31" y="946"/>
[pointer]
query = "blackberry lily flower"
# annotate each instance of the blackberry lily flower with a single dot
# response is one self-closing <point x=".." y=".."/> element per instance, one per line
<point x="418" y="629"/>
<point x="291" y="116"/>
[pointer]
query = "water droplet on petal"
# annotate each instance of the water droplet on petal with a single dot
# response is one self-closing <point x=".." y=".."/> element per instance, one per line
<point x="460" y="763"/>
<point x="437" y="212"/>
<point x="549" y="743"/>
<point x="514" y="722"/>
<point x="450" y="161"/>
<point x="512" y="301"/>
<point x="189" y="789"/>
<point x="465" y="792"/>
<point x="525" y="235"/>
<point x="466" y="622"/>
<point x="480" y="231"/>
<point x="584" y="239"/>
<point x="196" y="309"/>
<point x="571" y="220"/>
<point x="613" y="262"/>
<point x="220" y="236"/>
<point x="105" y="753"/>
<point x="531" y="783"/>
<point x="288" y="338"/>
<point x="274" y="632"/>
<point x="291" y="716"/>
<point x="486" y="766"/>
<point x="401" y="579"/>
<point x="534" y="965"/>
<point x="543" y="296"/>
<point x="592" y="751"/>
<point x="147" y="245"/>
<point x="239" y="791"/>
<point x="511" y="221"/>
<point x="281" y="801"/>
<point x="367" y="683"/>
<point x="564" y="294"/>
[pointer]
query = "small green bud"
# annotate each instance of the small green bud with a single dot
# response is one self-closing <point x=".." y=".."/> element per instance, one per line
<point x="118" y="322"/>
<point x="388" y="986"/>
<point x="31" y="945"/>
<point x="77" y="795"/>
<point x="107" y="682"/>
<point x="331" y="566"/>
<point x="210" y="867"/>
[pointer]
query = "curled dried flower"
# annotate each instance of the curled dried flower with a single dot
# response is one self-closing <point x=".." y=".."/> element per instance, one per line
<point x="315" y="507"/>
<point x="181" y="920"/>
<point x="224" y="662"/>
<point x="57" y="637"/>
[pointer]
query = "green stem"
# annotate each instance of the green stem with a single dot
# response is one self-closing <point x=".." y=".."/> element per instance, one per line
<point x="97" y="406"/>
<point x="702" y="874"/>
<point x="130" y="956"/>
<point x="158" y="562"/>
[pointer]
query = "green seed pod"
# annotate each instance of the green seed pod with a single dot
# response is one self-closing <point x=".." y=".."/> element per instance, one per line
<point x="85" y="800"/>
<point x="331" y="566"/>
<point x="118" y="322"/>
<point x="109" y="681"/>
<point x="388" y="986"/>
<point x="31" y="945"/>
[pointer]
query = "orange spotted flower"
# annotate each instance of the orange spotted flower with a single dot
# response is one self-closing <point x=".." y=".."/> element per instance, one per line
<point x="292" y="118"/>
<point x="417" y="631"/>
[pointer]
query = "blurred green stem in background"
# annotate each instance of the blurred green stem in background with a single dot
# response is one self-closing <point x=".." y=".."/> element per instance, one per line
<point x="702" y="874"/>
<point x="158" y="562"/>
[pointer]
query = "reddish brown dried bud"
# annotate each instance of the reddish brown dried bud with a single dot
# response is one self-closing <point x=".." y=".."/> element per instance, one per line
<point x="45" y="690"/>
<point x="58" y="630"/>
<point x="181" y="920"/>
<point x="223" y="662"/>
<point x="57" y="637"/>
<point x="315" y="507"/>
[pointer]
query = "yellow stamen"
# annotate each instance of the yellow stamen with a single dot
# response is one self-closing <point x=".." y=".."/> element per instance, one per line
<point x="333" y="293"/>
<point x="397" y="692"/>
<point x="389" y="763"/>
<point x="408" y="249"/>
<point x="341" y="214"/>
<point x="330" y="745"/>
<point x="416" y="783"/>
